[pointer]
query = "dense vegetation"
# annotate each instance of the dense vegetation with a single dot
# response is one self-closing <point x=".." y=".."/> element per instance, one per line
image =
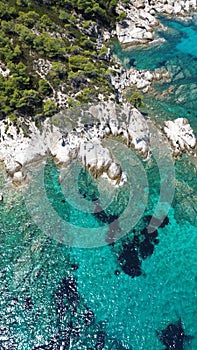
<point x="48" y="48"/>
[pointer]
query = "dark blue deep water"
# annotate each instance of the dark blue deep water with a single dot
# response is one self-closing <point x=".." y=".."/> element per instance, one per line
<point x="138" y="292"/>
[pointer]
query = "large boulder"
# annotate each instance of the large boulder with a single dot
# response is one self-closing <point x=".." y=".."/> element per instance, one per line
<point x="138" y="132"/>
<point x="181" y="135"/>
<point x="19" y="177"/>
<point x="95" y="157"/>
<point x="114" y="171"/>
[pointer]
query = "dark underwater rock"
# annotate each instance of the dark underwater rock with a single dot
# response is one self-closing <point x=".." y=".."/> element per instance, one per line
<point x="28" y="303"/>
<point x="102" y="216"/>
<point x="88" y="317"/>
<point x="161" y="63"/>
<point x="146" y="248"/>
<point x="112" y="233"/>
<point x="140" y="247"/>
<point x="60" y="341"/>
<point x="66" y="297"/>
<point x="100" y="342"/>
<point x="119" y="346"/>
<point x="173" y="336"/>
<point x="165" y="222"/>
<point x="86" y="186"/>
<point x="155" y="222"/>
<point x="146" y="245"/>
<point x="105" y="218"/>
<point x="68" y="289"/>
<point x="129" y="260"/>
<point x="74" y="267"/>
<point x="132" y="62"/>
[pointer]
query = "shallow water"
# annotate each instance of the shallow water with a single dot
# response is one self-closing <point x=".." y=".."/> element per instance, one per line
<point x="55" y="295"/>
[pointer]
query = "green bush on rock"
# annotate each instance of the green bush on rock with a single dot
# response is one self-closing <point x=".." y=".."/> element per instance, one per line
<point x="44" y="87"/>
<point x="136" y="99"/>
<point x="50" y="108"/>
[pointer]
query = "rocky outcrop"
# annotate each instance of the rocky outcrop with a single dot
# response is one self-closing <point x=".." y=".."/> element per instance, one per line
<point x="175" y="7"/>
<point x="138" y="25"/>
<point x="140" y="21"/>
<point x="141" y="79"/>
<point x="17" y="150"/>
<point x="181" y="136"/>
<point x="19" y="177"/>
<point x="82" y="140"/>
<point x="4" y="71"/>
<point x="99" y="160"/>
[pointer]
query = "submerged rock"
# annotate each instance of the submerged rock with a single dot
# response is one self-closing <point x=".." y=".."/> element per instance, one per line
<point x="129" y="260"/>
<point x="173" y="336"/>
<point x="139" y="248"/>
<point x="88" y="317"/>
<point x="146" y="243"/>
<point x="156" y="222"/>
<point x="100" y="342"/>
<point x="146" y="248"/>
<point x="66" y="290"/>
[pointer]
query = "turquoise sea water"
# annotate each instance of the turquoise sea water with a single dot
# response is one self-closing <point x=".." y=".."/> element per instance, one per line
<point x="57" y="297"/>
<point x="178" y="56"/>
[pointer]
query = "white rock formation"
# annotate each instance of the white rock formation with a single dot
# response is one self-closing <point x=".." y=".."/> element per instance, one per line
<point x="138" y="132"/>
<point x="83" y="143"/>
<point x="95" y="157"/>
<point x="17" y="150"/>
<point x="141" y="79"/>
<point x="19" y="177"/>
<point x="140" y="19"/>
<point x="4" y="70"/>
<point x="114" y="171"/>
<point x="137" y="27"/>
<point x="181" y="135"/>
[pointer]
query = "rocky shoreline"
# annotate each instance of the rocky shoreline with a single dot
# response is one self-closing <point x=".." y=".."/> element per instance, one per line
<point x="81" y="138"/>
<point x="140" y="21"/>
<point x="84" y="142"/>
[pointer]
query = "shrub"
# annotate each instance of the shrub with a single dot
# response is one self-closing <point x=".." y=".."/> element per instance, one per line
<point x="28" y="18"/>
<point x="29" y="102"/>
<point x="44" y="87"/>
<point x="49" y="108"/>
<point x="122" y="16"/>
<point x="136" y="99"/>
